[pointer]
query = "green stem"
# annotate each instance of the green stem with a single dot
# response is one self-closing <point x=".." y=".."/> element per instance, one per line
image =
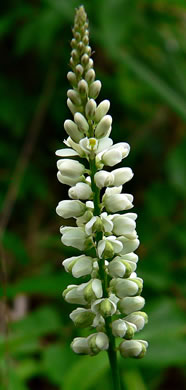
<point x="112" y="353"/>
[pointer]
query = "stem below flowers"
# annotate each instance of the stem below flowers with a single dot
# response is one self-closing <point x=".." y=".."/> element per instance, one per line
<point x="112" y="354"/>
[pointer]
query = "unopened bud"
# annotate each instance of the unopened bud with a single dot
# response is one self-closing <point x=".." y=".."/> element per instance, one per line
<point x="79" y="70"/>
<point x="106" y="307"/>
<point x="102" y="110"/>
<point x="82" y="318"/>
<point x="128" y="305"/>
<point x="85" y="39"/>
<point x="90" y="76"/>
<point x="85" y="59"/>
<point x="83" y="87"/>
<point x="81" y="122"/>
<point x="133" y="348"/>
<point x="98" y="342"/>
<point x="72" y="130"/>
<point x="94" y="89"/>
<point x="71" y="78"/>
<point x="74" y="96"/>
<point x="90" y="108"/>
<point x="103" y="126"/>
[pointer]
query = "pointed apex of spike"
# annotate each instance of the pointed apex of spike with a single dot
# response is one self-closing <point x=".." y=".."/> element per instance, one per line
<point x="81" y="15"/>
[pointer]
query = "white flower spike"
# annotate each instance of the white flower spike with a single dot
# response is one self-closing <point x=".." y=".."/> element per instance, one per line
<point x="110" y="294"/>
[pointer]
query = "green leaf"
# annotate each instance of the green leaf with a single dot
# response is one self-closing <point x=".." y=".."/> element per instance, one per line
<point x="86" y="372"/>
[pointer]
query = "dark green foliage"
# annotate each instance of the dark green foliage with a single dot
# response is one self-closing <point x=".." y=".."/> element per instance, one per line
<point x="140" y="57"/>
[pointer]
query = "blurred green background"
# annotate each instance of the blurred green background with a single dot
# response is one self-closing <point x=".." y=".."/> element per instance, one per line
<point x="140" y="57"/>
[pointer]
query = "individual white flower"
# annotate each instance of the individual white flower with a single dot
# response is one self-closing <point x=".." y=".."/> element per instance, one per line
<point x="139" y="319"/>
<point x="79" y="265"/>
<point x="93" y="290"/>
<point x="75" y="237"/>
<point x="122" y="176"/>
<point x="117" y="202"/>
<point x="75" y="294"/>
<point x="68" y="180"/>
<point x="105" y="307"/>
<point x="133" y="348"/>
<point x="121" y="268"/>
<point x="70" y="208"/>
<point x="80" y="191"/>
<point x="113" y="191"/>
<point x="123" y="225"/>
<point x="130" y="257"/>
<point x="108" y="246"/>
<point x="72" y="130"/>
<point x="80" y="346"/>
<point x="122" y="328"/>
<point x="104" y="127"/>
<point x="115" y="154"/>
<point x="103" y="179"/>
<point x="102" y="110"/>
<point x="98" y="342"/>
<point x="126" y="287"/>
<point x="81" y="122"/>
<point x="82" y="317"/>
<point x="74" y="145"/>
<point x="128" y="245"/>
<point x="102" y="223"/>
<point x="128" y="305"/>
<point x="70" y="168"/>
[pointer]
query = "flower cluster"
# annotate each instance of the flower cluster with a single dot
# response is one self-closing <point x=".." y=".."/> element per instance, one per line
<point x="110" y="300"/>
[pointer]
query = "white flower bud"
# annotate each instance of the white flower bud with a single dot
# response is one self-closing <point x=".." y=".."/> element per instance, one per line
<point x="117" y="202"/>
<point x="103" y="179"/>
<point x="105" y="306"/>
<point x="98" y="342"/>
<point x="79" y="265"/>
<point x="133" y="348"/>
<point x="74" y="97"/>
<point x="90" y="76"/>
<point x="80" y="345"/>
<point x="120" y="268"/>
<point x="70" y="168"/>
<point x="70" y="208"/>
<point x="72" y="107"/>
<point x="72" y="130"/>
<point x="128" y="245"/>
<point x="74" y="294"/>
<point x="123" y="225"/>
<point x="111" y="157"/>
<point x="85" y="59"/>
<point x="93" y="290"/>
<point x="125" y="287"/>
<point x="83" y="87"/>
<point x="81" y="122"/>
<point x="139" y="319"/>
<point x="102" y="110"/>
<point x="108" y="246"/>
<point x="103" y="126"/>
<point x="90" y="108"/>
<point x="75" y="237"/>
<point x="119" y="328"/>
<point x="122" y="176"/>
<point x="72" y="78"/>
<point x="68" y="180"/>
<point x="79" y="70"/>
<point x="80" y="191"/>
<point x="82" y="318"/>
<point x="132" y="257"/>
<point x="128" y="305"/>
<point x="90" y="64"/>
<point x="94" y="89"/>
